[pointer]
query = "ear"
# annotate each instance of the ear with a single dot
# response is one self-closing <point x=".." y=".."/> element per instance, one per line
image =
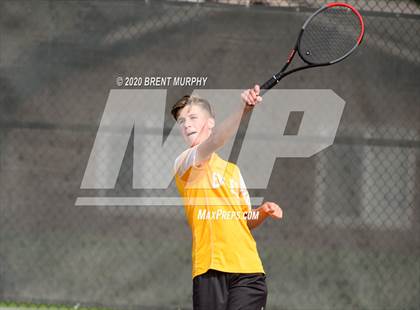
<point x="211" y="123"/>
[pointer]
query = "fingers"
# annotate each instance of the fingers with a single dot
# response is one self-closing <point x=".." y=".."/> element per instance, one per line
<point x="247" y="98"/>
<point x="269" y="207"/>
<point x="273" y="210"/>
<point x="251" y="96"/>
<point x="257" y="89"/>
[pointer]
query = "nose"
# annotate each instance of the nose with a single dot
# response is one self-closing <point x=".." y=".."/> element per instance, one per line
<point x="187" y="124"/>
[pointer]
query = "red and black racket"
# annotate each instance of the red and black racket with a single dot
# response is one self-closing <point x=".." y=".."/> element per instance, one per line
<point x="328" y="36"/>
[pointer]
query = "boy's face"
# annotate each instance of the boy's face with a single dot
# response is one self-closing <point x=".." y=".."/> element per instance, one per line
<point x="195" y="124"/>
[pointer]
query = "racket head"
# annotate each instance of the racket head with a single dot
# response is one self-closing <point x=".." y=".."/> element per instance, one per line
<point x="330" y="34"/>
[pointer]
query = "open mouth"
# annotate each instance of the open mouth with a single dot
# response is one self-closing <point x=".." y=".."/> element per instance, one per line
<point x="191" y="133"/>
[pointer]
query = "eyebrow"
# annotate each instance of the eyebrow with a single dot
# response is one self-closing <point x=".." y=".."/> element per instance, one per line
<point x="183" y="118"/>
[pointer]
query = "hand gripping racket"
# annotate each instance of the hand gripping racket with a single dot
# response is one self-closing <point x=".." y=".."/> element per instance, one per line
<point x="328" y="36"/>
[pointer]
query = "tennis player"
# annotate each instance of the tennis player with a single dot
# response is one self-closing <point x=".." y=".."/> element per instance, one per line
<point x="226" y="269"/>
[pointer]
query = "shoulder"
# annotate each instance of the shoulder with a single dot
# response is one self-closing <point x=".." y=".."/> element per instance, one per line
<point x="182" y="156"/>
<point x="229" y="169"/>
<point x="185" y="160"/>
<point x="233" y="168"/>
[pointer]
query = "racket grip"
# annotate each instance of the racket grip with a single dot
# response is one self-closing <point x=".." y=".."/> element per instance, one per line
<point x="268" y="85"/>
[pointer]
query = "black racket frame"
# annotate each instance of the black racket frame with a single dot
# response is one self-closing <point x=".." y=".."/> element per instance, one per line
<point x="281" y="74"/>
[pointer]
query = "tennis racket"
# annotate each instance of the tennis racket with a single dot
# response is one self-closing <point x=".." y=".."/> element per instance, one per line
<point x="327" y="37"/>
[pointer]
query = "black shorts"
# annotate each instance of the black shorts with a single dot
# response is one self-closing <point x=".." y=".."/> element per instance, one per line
<point x="217" y="290"/>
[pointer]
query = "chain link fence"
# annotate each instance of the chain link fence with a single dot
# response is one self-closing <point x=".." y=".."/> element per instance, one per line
<point x="350" y="238"/>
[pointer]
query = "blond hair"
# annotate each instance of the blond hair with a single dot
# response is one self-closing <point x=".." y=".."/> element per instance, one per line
<point x="190" y="100"/>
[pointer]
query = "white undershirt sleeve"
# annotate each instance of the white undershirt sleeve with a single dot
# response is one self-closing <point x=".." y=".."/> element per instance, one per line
<point x="185" y="161"/>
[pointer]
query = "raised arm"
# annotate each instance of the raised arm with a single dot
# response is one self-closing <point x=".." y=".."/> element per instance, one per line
<point x="224" y="131"/>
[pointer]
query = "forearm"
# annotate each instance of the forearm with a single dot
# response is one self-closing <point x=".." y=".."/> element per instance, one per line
<point x="221" y="133"/>
<point x="228" y="128"/>
<point x="265" y="210"/>
<point x="253" y="223"/>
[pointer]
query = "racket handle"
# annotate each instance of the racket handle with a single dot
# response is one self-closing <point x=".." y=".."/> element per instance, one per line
<point x="269" y="84"/>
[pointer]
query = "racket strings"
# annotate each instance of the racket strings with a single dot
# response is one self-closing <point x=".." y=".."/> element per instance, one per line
<point x="330" y="35"/>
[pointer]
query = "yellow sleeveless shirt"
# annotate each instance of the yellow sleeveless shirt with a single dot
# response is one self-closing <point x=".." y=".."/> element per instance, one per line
<point x="215" y="198"/>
